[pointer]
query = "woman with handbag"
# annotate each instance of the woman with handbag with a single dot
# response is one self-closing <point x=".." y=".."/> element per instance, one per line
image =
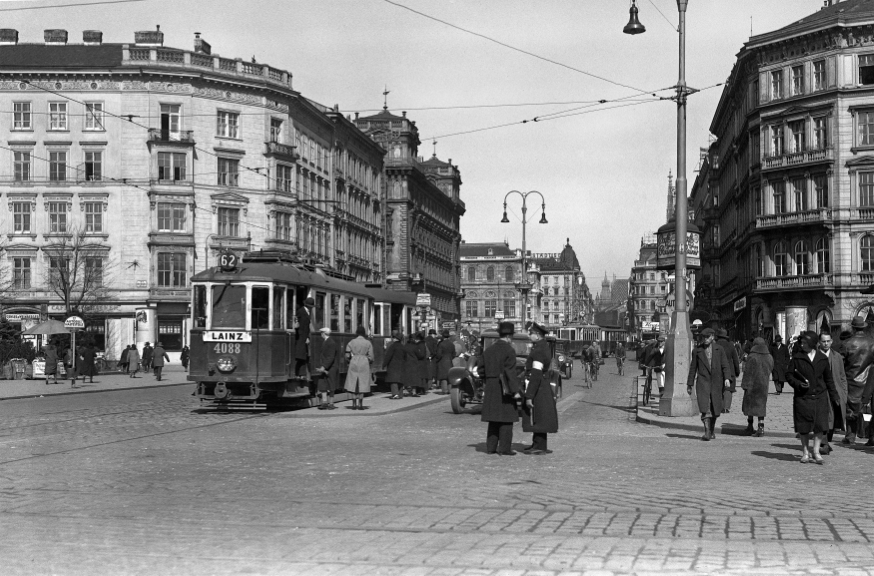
<point x="500" y="392"/>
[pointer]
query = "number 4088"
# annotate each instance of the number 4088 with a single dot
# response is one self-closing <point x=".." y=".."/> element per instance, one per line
<point x="227" y="348"/>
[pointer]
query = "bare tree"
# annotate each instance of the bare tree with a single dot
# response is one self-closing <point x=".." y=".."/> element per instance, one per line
<point x="78" y="272"/>
<point x="6" y="280"/>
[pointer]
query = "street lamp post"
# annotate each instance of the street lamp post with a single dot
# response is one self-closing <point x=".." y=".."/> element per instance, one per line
<point x="524" y="285"/>
<point x="679" y="345"/>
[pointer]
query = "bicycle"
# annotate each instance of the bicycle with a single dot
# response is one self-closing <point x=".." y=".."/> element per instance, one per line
<point x="586" y="375"/>
<point x="619" y="364"/>
<point x="647" y="390"/>
<point x="593" y="368"/>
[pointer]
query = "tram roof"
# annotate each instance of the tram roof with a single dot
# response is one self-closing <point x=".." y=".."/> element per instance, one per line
<point x="284" y="273"/>
<point x="393" y="296"/>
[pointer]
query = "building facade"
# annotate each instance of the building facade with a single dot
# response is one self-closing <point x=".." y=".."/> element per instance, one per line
<point x="648" y="290"/>
<point x="564" y="296"/>
<point x="490" y="273"/>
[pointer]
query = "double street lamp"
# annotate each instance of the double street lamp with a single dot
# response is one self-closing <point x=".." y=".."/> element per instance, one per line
<point x="524" y="286"/>
<point x="679" y="344"/>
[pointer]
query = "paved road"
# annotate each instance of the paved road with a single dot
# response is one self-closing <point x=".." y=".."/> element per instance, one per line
<point x="140" y="482"/>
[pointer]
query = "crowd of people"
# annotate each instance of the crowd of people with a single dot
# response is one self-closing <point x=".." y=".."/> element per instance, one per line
<point x="82" y="363"/>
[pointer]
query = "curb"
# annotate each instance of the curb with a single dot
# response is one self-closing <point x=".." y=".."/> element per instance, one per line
<point x="72" y="392"/>
<point x="331" y="414"/>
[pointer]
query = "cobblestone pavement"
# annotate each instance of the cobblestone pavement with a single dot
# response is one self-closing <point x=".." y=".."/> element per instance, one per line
<point x="140" y="482"/>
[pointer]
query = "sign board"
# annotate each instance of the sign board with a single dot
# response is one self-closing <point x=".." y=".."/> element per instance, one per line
<point x="142" y="284"/>
<point x="74" y="323"/>
<point x="740" y="304"/>
<point x="667" y="245"/>
<point x="226" y="336"/>
<point x="423" y="299"/>
<point x="499" y="315"/>
<point x="57" y="308"/>
<point x="448" y="325"/>
<point x="228" y="261"/>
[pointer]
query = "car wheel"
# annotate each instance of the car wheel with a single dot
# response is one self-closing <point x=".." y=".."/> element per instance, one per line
<point x="456" y="400"/>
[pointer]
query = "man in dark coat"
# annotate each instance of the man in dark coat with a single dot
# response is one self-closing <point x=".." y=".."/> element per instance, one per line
<point x="837" y="408"/>
<point x="445" y="354"/>
<point x="146" y="356"/>
<point x="499" y="409"/>
<point x="158" y="358"/>
<point x="539" y="416"/>
<point x="413" y="360"/>
<point x="710" y="372"/>
<point x="424" y="362"/>
<point x="302" y="338"/>
<point x="734" y="363"/>
<point x="431" y="342"/>
<point x="329" y="367"/>
<point x="859" y="357"/>
<point x="780" y="353"/>
<point x="395" y="362"/>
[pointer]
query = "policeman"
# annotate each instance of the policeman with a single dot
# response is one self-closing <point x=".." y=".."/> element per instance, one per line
<point x="539" y="415"/>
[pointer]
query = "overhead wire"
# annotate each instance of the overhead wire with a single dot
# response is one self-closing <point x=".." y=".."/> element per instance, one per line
<point x="78" y="4"/>
<point x="674" y="27"/>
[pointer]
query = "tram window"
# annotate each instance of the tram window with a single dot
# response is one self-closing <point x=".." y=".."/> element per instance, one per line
<point x="290" y="310"/>
<point x="320" y="310"/>
<point x="278" y="297"/>
<point x="198" y="307"/>
<point x="229" y="306"/>
<point x="360" y="314"/>
<point x="335" y="312"/>
<point x="377" y="320"/>
<point x="260" y="307"/>
<point x="386" y="320"/>
<point x="347" y="315"/>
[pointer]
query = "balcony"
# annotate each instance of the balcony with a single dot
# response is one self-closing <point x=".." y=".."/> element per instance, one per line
<point x="804" y="282"/>
<point x="817" y="216"/>
<point x="167" y="137"/>
<point x="281" y="150"/>
<point x="798" y="159"/>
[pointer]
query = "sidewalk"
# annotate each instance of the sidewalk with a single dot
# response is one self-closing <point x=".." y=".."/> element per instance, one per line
<point x="173" y="375"/>
<point x="376" y="405"/>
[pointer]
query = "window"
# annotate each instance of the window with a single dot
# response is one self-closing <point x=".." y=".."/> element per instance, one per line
<point x="93" y="217"/>
<point x="171" y="217"/>
<point x="471" y="274"/>
<point x="509" y="274"/>
<point x="510" y="308"/>
<point x="57" y="166"/>
<point x="490" y="275"/>
<point x="93" y="271"/>
<point x="776" y="140"/>
<point x="760" y="208"/>
<point x="491" y="308"/>
<point x="796" y="129"/>
<point x="22" y="166"/>
<point x="284" y="225"/>
<point x="470" y="309"/>
<point x="171" y="166"/>
<point x="802" y="258"/>
<point x="228" y="172"/>
<point x="93" y="166"/>
<point x="820" y="133"/>
<point x="866" y="69"/>
<point x="171" y="270"/>
<point x="57" y="217"/>
<point x="800" y="193"/>
<point x="780" y="260"/>
<point x="58" y="116"/>
<point x="866" y="246"/>
<point x="21" y="116"/>
<point x="59" y="270"/>
<point x="229" y="221"/>
<point x="776" y="84"/>
<point x="20" y="273"/>
<point x="866" y="189"/>
<point x="21" y="217"/>
<point x="866" y="128"/>
<point x="819" y="75"/>
<point x="822" y="257"/>
<point x="227" y="124"/>
<point x="284" y="178"/>
<point x="779" y="198"/>
<point x="170" y="121"/>
<point x="820" y="186"/>
<point x="760" y="262"/>
<point x="94" y="116"/>
<point x="797" y="80"/>
<point x="275" y="130"/>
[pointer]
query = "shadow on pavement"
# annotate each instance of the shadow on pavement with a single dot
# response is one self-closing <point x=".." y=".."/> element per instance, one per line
<point x="777" y="456"/>
<point x="734" y="430"/>
<point x="481" y="447"/>
<point x="787" y="446"/>
<point x="684" y="437"/>
<point x="625" y="408"/>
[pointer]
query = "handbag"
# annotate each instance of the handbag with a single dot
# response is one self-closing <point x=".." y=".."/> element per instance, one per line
<point x="505" y="386"/>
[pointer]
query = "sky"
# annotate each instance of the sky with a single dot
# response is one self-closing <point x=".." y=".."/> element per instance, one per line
<point x="602" y="168"/>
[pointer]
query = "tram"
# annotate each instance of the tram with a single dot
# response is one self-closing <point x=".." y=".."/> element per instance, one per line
<point x="584" y="334"/>
<point x="243" y="331"/>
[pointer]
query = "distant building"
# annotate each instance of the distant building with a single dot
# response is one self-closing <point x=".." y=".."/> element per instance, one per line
<point x="564" y="297"/>
<point x="648" y="289"/>
<point x="490" y="273"/>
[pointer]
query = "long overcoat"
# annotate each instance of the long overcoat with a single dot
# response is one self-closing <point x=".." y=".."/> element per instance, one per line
<point x="147" y="355"/>
<point x="412" y="372"/>
<point x="543" y="417"/>
<point x="810" y="404"/>
<point x="302" y="334"/>
<point x="733" y="361"/>
<point x="432" y="343"/>
<point x="858" y="368"/>
<point x="837" y="417"/>
<point x="757" y="376"/>
<point x="780" y="352"/>
<point x="445" y="354"/>
<point x="709" y="378"/>
<point x="51" y="360"/>
<point x="86" y="367"/>
<point x="123" y="358"/>
<point x="159" y="355"/>
<point x="329" y="359"/>
<point x="133" y="358"/>
<point x="424" y="362"/>
<point x="395" y="361"/>
<point x="500" y="358"/>
<point x="358" y="378"/>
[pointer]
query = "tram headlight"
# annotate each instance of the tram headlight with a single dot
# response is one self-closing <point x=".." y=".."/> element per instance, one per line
<point x="561" y="357"/>
<point x="225" y="364"/>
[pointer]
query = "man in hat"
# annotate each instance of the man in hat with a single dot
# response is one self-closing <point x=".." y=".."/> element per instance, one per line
<point x="445" y="354"/>
<point x="329" y="367"/>
<point x="147" y="356"/>
<point x="780" y="353"/>
<point x="539" y="416"/>
<point x="499" y="399"/>
<point x="302" y="338"/>
<point x="734" y="362"/>
<point x="710" y="372"/>
<point x="859" y="357"/>
<point x="431" y="344"/>
<point x="655" y="363"/>
<point x="159" y="356"/>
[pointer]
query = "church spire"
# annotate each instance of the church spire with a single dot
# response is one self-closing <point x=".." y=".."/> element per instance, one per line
<point x="672" y="197"/>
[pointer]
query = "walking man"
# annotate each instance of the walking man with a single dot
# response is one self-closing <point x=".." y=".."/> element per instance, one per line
<point x="710" y="372"/>
<point x="329" y="366"/>
<point x="857" y="366"/>
<point x="499" y="400"/>
<point x="780" y="353"/>
<point x="146" y="360"/>
<point x="445" y="354"/>
<point x="733" y="362"/>
<point x="158" y="359"/>
<point x="431" y="343"/>
<point x="837" y="410"/>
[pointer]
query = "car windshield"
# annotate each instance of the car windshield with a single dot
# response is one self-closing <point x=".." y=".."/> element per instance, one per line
<point x="520" y="346"/>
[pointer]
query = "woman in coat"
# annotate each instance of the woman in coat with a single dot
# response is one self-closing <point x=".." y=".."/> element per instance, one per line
<point x="445" y="354"/>
<point x="88" y="357"/>
<point x="122" y="361"/>
<point x="395" y="362"/>
<point x="359" y="353"/>
<point x="540" y="416"/>
<point x="133" y="360"/>
<point x="499" y="409"/>
<point x="51" y="363"/>
<point x="810" y="375"/>
<point x="757" y="374"/>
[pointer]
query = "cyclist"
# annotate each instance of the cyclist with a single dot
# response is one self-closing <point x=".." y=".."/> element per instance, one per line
<point x="586" y="360"/>
<point x="594" y="359"/>
<point x="620" y="357"/>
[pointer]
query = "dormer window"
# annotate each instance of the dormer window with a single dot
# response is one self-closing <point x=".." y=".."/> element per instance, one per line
<point x="491" y="252"/>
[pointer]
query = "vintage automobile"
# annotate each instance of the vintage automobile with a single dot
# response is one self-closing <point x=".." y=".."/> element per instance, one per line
<point x="467" y="381"/>
<point x="563" y="357"/>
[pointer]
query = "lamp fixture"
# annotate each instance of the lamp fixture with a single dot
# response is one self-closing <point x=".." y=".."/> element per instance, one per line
<point x="634" y="26"/>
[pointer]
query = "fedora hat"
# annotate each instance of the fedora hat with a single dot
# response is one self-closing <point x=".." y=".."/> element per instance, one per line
<point x="722" y="333"/>
<point x="859" y="322"/>
<point x="707" y="332"/>
<point x="506" y="329"/>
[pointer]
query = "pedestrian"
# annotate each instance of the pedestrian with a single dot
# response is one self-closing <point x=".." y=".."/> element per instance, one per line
<point x="146" y="357"/>
<point x="842" y="339"/>
<point x="656" y="364"/>
<point x="709" y="371"/>
<point x="837" y="410"/>
<point x="70" y="357"/>
<point x="133" y="359"/>
<point x="780" y="353"/>
<point x="445" y="354"/>
<point x="757" y="375"/>
<point x="857" y="365"/>
<point x="431" y="343"/>
<point x="395" y="361"/>
<point x="87" y="367"/>
<point x="302" y="338"/>
<point x="733" y="363"/>
<point x="810" y="375"/>
<point x="411" y="366"/>
<point x="539" y="415"/>
<point x="158" y="358"/>
<point x="499" y="398"/>
<point x="359" y="353"/>
<point x="329" y="367"/>
<point x="424" y="362"/>
<point x="122" y="361"/>
<point x="51" y="369"/>
<point x="184" y="357"/>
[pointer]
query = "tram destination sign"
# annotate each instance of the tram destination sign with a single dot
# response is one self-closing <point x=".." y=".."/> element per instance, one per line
<point x="226" y="336"/>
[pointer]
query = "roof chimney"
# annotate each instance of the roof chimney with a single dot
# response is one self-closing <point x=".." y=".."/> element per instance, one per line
<point x="201" y="46"/>
<point x="8" y="36"/>
<point x="55" y="37"/>
<point x="149" y="37"/>
<point x="92" y="37"/>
